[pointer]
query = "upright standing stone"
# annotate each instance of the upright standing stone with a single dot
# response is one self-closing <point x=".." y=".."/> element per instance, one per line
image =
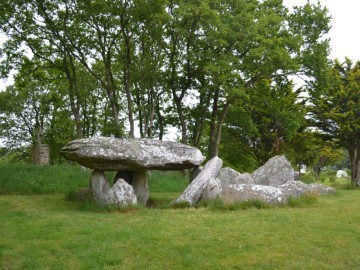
<point x="139" y="182"/>
<point x="99" y="184"/>
<point x="275" y="172"/>
<point x="121" y="193"/>
<point x="228" y="176"/>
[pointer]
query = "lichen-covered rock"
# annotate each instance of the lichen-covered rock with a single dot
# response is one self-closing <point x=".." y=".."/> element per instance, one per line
<point x="321" y="189"/>
<point x="121" y="193"/>
<point x="275" y="172"/>
<point x="295" y="188"/>
<point x="246" y="192"/>
<point x="212" y="190"/>
<point x="99" y="184"/>
<point x="113" y="154"/>
<point x="195" y="190"/>
<point x="139" y="182"/>
<point x="228" y="176"/>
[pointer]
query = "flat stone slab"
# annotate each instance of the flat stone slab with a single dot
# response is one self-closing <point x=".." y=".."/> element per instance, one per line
<point x="113" y="154"/>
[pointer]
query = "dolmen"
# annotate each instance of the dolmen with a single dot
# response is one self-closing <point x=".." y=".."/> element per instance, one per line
<point x="131" y="159"/>
<point x="272" y="183"/>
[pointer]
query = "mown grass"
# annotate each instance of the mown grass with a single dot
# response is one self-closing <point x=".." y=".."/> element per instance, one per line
<point x="49" y="232"/>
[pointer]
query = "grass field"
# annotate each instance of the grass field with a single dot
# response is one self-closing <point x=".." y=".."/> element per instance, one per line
<point x="44" y="230"/>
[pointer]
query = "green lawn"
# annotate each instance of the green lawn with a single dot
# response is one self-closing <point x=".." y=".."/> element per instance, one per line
<point x="47" y="231"/>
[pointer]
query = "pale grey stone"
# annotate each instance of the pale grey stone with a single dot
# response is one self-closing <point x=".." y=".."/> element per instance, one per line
<point x="246" y="192"/>
<point x="212" y="190"/>
<point x="229" y="176"/>
<point x="295" y="188"/>
<point x="195" y="190"/>
<point x="99" y="184"/>
<point x="113" y="154"/>
<point x="139" y="182"/>
<point x="321" y="189"/>
<point x="275" y="172"/>
<point x="121" y="193"/>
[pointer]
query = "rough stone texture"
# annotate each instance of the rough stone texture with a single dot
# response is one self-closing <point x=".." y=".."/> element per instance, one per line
<point x="121" y="193"/>
<point x="212" y="190"/>
<point x="195" y="190"/>
<point x="41" y="154"/>
<point x="112" y="154"/>
<point x="321" y="189"/>
<point x="139" y="182"/>
<point x="275" y="172"/>
<point x="245" y="192"/>
<point x="295" y="188"/>
<point x="229" y="176"/>
<point x="99" y="184"/>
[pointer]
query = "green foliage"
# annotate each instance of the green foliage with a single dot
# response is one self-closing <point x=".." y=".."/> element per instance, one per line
<point x="335" y="109"/>
<point x="194" y="65"/>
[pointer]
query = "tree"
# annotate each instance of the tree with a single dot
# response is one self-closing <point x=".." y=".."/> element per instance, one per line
<point x="335" y="110"/>
<point x="26" y="108"/>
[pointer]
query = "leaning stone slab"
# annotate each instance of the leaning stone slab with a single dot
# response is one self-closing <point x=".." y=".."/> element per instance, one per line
<point x="246" y="192"/>
<point x="275" y="172"/>
<point x="113" y="154"/>
<point x="229" y="176"/>
<point x="195" y="190"/>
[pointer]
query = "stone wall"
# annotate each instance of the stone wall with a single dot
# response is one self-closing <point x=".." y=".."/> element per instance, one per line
<point x="41" y="154"/>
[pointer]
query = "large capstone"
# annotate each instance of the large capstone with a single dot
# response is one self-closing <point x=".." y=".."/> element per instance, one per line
<point x="113" y="154"/>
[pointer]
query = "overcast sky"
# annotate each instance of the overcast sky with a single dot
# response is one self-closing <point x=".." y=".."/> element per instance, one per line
<point x="345" y="40"/>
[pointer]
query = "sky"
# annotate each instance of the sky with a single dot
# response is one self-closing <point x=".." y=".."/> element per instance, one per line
<point x="344" y="37"/>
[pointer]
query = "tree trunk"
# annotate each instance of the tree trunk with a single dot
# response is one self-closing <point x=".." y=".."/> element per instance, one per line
<point x="160" y="119"/>
<point x="355" y="165"/>
<point x="212" y="150"/>
<point x="74" y="93"/>
<point x="317" y="167"/>
<point x="127" y="84"/>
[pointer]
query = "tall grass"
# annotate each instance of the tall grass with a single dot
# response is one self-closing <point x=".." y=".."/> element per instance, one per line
<point x="31" y="179"/>
<point x="167" y="181"/>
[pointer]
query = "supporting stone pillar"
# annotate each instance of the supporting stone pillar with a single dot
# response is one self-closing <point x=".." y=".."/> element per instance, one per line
<point x="139" y="182"/>
<point x="99" y="184"/>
